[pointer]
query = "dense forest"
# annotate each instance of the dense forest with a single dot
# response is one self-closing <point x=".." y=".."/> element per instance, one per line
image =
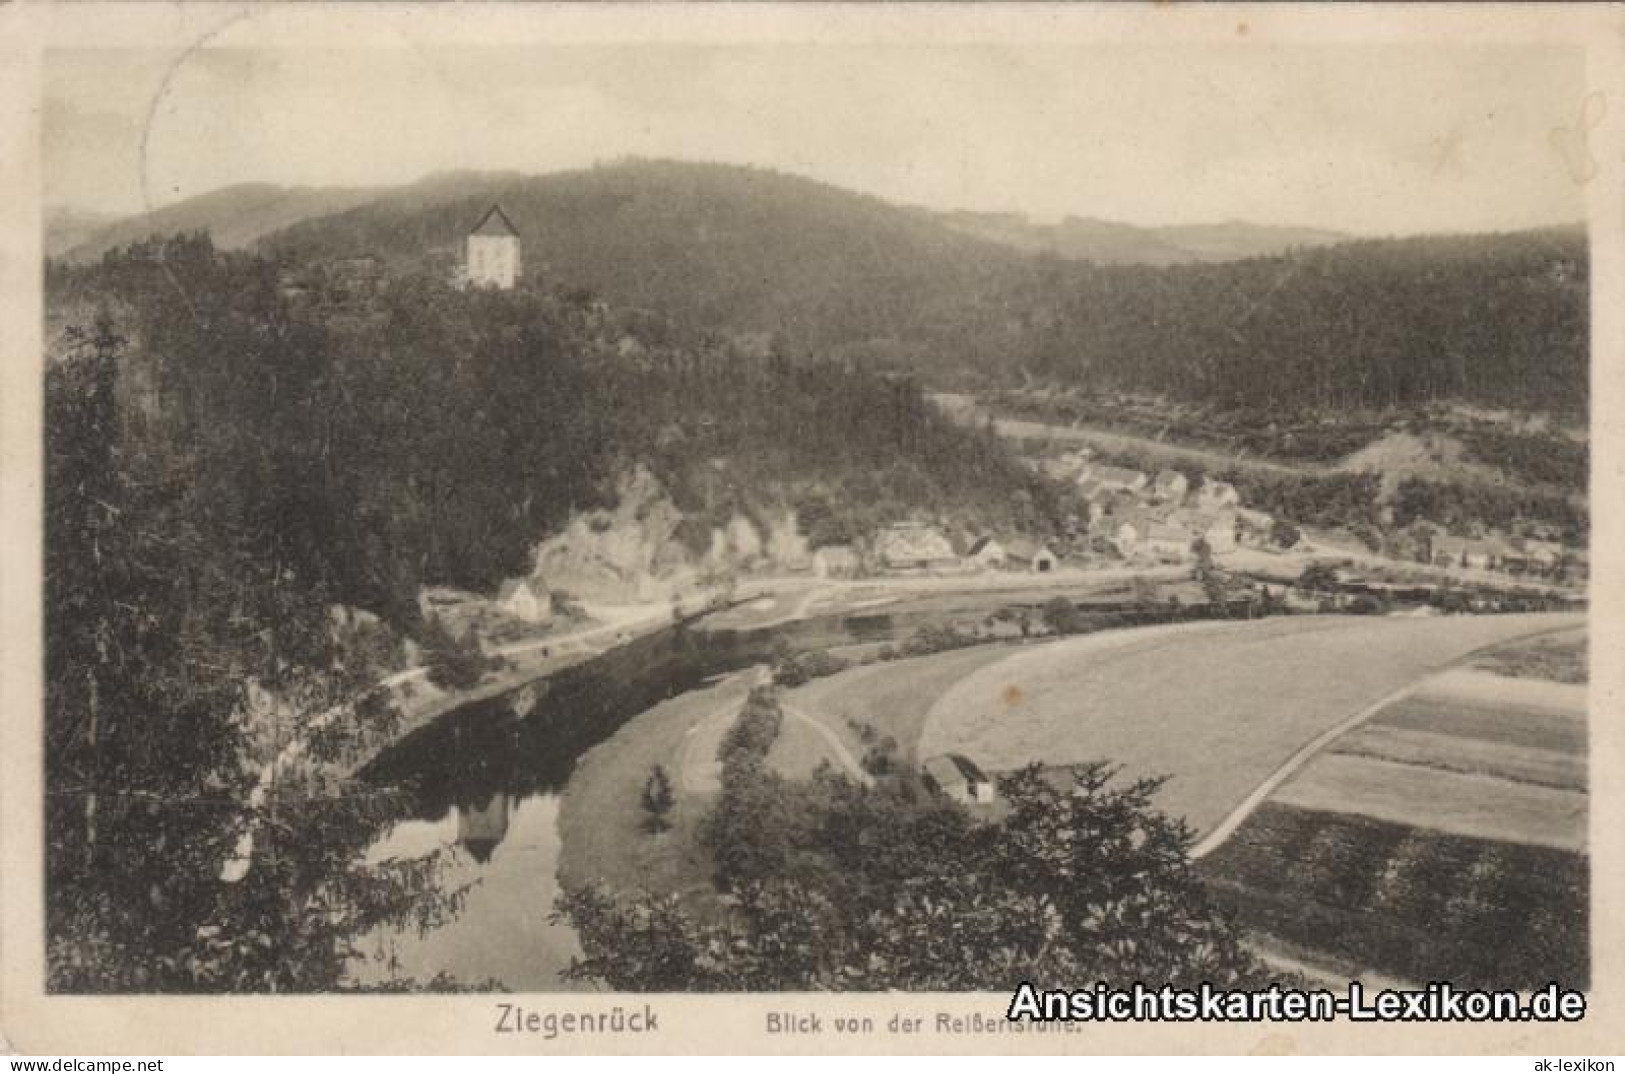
<point x="437" y="437"/>
<point x="222" y="469"/>
<point x="1490" y="319"/>
<point x="1493" y="319"/>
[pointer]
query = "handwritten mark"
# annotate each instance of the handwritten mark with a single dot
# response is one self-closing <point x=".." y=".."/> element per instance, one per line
<point x="1573" y="144"/>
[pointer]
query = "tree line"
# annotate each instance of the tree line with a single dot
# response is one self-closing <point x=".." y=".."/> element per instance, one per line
<point x="223" y="469"/>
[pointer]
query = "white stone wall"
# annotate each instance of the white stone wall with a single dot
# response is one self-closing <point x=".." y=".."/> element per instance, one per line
<point x="493" y="261"/>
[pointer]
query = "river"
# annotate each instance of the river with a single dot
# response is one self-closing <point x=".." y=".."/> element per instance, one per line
<point x="484" y="782"/>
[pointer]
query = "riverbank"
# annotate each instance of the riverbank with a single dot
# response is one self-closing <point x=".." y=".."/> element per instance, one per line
<point x="601" y="818"/>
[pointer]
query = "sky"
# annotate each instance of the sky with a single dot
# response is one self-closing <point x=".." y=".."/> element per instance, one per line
<point x="1360" y="138"/>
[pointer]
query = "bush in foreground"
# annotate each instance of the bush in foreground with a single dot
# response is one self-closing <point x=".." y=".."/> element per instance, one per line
<point x="871" y="888"/>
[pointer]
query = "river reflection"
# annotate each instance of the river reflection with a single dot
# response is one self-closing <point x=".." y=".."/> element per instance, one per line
<point x="507" y="849"/>
<point x="485" y="781"/>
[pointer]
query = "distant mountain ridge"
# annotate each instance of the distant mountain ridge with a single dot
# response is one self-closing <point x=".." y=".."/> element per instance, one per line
<point x="240" y="215"/>
<point x="235" y="216"/>
<point x="780" y="262"/>
<point x="1111" y="243"/>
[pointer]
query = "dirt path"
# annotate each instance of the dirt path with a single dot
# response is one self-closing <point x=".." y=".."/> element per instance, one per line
<point x="700" y="771"/>
<point x="836" y="747"/>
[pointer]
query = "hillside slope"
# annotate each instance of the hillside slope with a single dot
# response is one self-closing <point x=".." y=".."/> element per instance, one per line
<point x="710" y="245"/>
<point x="1500" y="320"/>
<point x="780" y="261"/>
<point x="234" y="216"/>
<point x="1107" y="242"/>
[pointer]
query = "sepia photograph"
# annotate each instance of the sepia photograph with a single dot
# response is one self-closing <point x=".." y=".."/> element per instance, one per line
<point x="581" y="511"/>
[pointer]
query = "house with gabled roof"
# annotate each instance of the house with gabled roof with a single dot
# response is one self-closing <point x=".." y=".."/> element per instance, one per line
<point x="1101" y="480"/>
<point x="955" y="776"/>
<point x="915" y="546"/>
<point x="491" y="252"/>
<point x="1168" y="541"/>
<point x="986" y="551"/>
<point x="1215" y="494"/>
<point x="1031" y="555"/>
<point x="527" y="599"/>
<point x="1217" y="528"/>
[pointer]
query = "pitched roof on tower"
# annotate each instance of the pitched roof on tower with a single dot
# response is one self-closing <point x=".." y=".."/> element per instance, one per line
<point x="495" y="222"/>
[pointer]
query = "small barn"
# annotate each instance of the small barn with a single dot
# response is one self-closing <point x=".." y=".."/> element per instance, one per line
<point x="956" y="777"/>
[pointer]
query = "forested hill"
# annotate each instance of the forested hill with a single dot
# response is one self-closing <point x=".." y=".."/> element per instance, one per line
<point x="710" y="245"/>
<point x="1490" y="319"/>
<point x="1494" y="319"/>
<point x="435" y="435"/>
<point x="1108" y="242"/>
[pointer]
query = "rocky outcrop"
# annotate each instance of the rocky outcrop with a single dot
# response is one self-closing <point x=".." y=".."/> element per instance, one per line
<point x="633" y="552"/>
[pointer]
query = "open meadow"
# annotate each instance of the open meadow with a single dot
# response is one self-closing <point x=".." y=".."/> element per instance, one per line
<point x="1217" y="707"/>
<point x="891" y="697"/>
<point x="602" y="830"/>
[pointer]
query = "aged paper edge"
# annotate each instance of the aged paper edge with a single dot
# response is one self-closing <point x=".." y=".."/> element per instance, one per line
<point x="34" y="1023"/>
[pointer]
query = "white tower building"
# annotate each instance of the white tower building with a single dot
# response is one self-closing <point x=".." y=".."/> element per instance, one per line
<point x="491" y="255"/>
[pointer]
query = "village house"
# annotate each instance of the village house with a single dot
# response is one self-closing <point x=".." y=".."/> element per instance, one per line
<point x="1447" y="551"/>
<point x="1495" y="551"/>
<point x="986" y="552"/>
<point x="912" y="546"/>
<point x="1481" y="555"/>
<point x="1125" y="528"/>
<point x="835" y="561"/>
<point x="491" y="252"/>
<point x="1217" y="528"/>
<point x="1099" y="481"/>
<point x="526" y="599"/>
<point x="441" y="601"/>
<point x="1064" y="467"/>
<point x="1214" y="495"/>
<point x="957" y="777"/>
<point x="1256" y="523"/>
<point x="1540" y="556"/>
<point x="1167" y="541"/>
<point x="1169" y="486"/>
<point x="1031" y="555"/>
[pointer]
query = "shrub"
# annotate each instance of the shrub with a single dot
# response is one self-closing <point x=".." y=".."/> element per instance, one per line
<point x="657" y="800"/>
